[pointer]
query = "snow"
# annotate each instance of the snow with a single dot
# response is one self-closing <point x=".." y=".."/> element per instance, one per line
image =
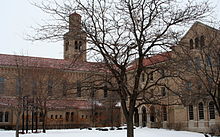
<point x="139" y="132"/>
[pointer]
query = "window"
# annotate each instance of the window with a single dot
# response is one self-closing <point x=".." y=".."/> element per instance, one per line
<point x="201" y="111"/>
<point x="76" y="45"/>
<point x="80" y="45"/>
<point x="164" y="114"/>
<point x="2" y="80"/>
<point x="56" y="116"/>
<point x="51" y="117"/>
<point x="162" y="73"/>
<point x="191" y="44"/>
<point x="211" y="110"/>
<point x="61" y="116"/>
<point x="92" y="91"/>
<point x="6" y="116"/>
<point x="67" y="116"/>
<point x="50" y="87"/>
<point x="163" y="91"/>
<point x="1" y="116"/>
<point x="196" y="43"/>
<point x="202" y="41"/>
<point x="105" y="91"/>
<point x="78" y="87"/>
<point x="72" y="116"/>
<point x="151" y="76"/>
<point x="191" y="115"/>
<point x="208" y="61"/>
<point x="197" y="62"/>
<point x="188" y="85"/>
<point x="143" y="77"/>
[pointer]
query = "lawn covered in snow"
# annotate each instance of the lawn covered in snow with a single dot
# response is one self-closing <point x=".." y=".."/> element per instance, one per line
<point x="139" y="132"/>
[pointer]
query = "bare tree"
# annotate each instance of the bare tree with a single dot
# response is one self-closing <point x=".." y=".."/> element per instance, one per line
<point x="121" y="31"/>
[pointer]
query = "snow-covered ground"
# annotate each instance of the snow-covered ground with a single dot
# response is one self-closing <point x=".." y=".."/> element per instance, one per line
<point x="139" y="132"/>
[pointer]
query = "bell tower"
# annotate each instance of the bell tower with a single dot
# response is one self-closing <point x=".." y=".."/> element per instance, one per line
<point x="75" y="40"/>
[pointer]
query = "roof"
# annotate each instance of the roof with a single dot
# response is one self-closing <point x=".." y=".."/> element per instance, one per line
<point x="152" y="60"/>
<point x="12" y="102"/>
<point x="27" y="61"/>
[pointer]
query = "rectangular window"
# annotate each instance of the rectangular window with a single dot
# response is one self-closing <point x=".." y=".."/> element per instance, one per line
<point x="105" y="91"/>
<point x="188" y="85"/>
<point x="1" y="116"/>
<point x="2" y="81"/>
<point x="143" y="77"/>
<point x="191" y="115"/>
<point x="67" y="116"/>
<point x="6" y="116"/>
<point x="163" y="91"/>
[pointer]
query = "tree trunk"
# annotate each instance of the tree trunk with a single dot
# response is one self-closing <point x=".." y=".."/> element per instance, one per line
<point x="44" y="121"/>
<point x="17" y="123"/>
<point x="130" y="129"/>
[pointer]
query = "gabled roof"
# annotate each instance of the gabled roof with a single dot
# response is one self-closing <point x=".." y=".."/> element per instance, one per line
<point x="27" y="61"/>
<point x="152" y="60"/>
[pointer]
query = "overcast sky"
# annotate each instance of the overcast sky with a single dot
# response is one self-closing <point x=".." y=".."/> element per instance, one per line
<point x="16" y="18"/>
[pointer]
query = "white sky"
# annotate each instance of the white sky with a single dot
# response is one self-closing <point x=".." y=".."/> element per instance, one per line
<point x="16" y="18"/>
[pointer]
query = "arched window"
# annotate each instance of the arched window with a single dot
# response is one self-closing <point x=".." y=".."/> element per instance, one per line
<point x="191" y="44"/>
<point x="67" y="116"/>
<point x="152" y="114"/>
<point x="164" y="113"/>
<point x="6" y="116"/>
<point x="72" y="116"/>
<point x="144" y="117"/>
<point x="143" y="77"/>
<point x="191" y="114"/>
<point x="202" y="41"/>
<point x="80" y="45"/>
<point x="201" y="111"/>
<point x="76" y="45"/>
<point x="1" y="116"/>
<point x="211" y="110"/>
<point x="196" y="42"/>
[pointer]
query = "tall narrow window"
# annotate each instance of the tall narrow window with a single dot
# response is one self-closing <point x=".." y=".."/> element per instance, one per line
<point x="201" y="111"/>
<point x="76" y="45"/>
<point x="164" y="114"/>
<point x="196" y="43"/>
<point x="211" y="110"/>
<point x="191" y="114"/>
<point x="67" y="116"/>
<point x="78" y="87"/>
<point x="2" y="81"/>
<point x="80" y="45"/>
<point x="143" y="77"/>
<point x="105" y="91"/>
<point x="191" y="44"/>
<point x="72" y="116"/>
<point x="202" y="41"/>
<point x="6" y="116"/>
<point x="1" y="116"/>
<point x="163" y="91"/>
<point x="50" y="87"/>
